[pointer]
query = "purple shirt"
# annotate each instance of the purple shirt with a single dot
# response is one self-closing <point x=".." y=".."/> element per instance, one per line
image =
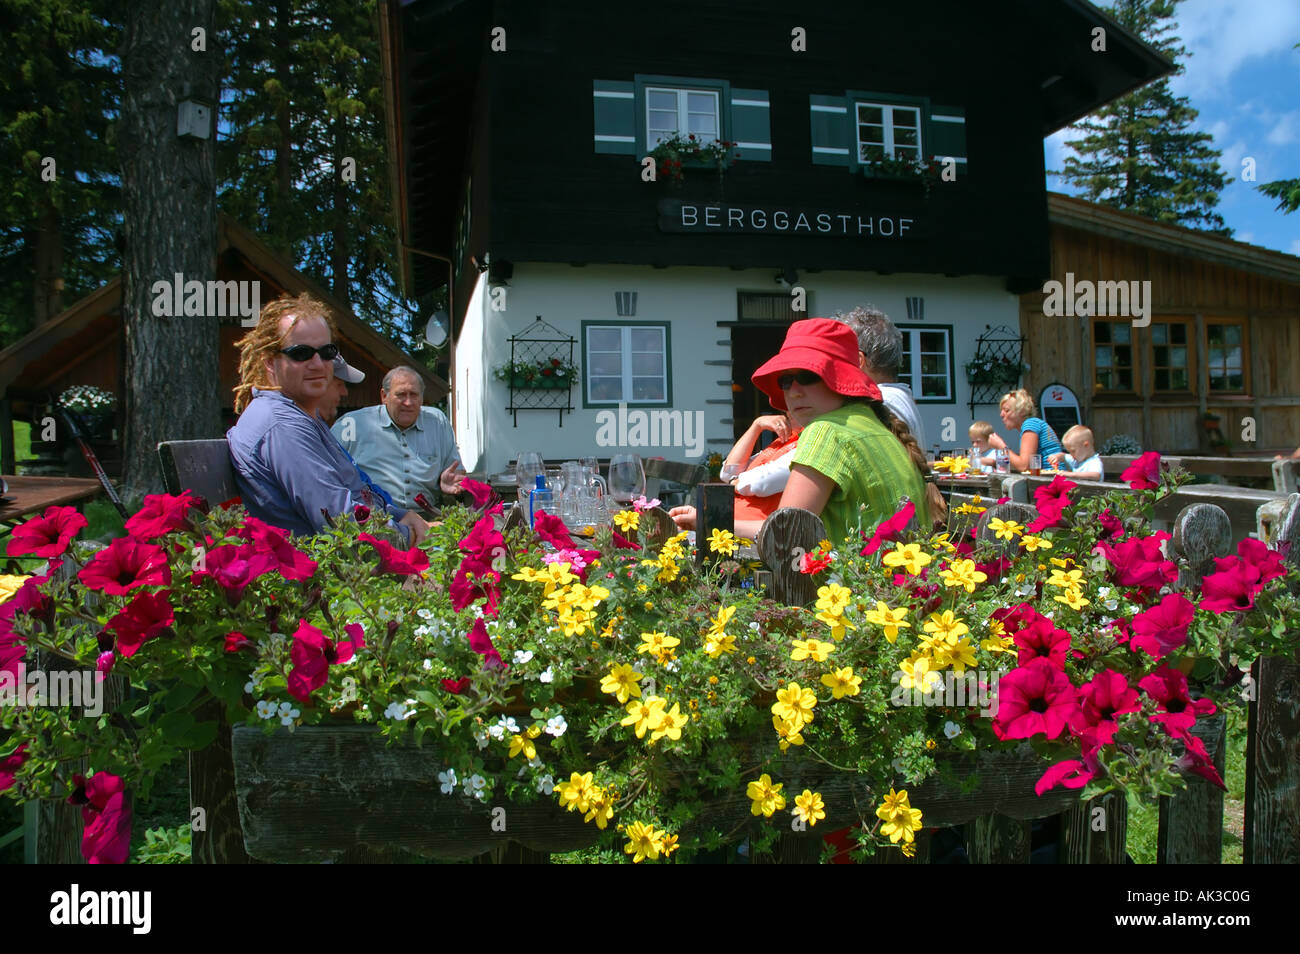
<point x="289" y="467"/>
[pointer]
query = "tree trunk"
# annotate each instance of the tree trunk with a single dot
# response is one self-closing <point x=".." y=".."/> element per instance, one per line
<point x="170" y="218"/>
<point x="47" y="244"/>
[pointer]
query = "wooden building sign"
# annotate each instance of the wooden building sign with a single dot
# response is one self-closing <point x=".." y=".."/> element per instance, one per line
<point x="677" y="215"/>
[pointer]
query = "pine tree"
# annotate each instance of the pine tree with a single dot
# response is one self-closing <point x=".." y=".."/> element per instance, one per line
<point x="1141" y="152"/>
<point x="59" y="92"/>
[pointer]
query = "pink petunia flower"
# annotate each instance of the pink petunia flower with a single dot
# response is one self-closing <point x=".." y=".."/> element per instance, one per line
<point x="1196" y="758"/>
<point x="1178" y="712"/>
<point x="1034" y="699"/>
<point x="1071" y="773"/>
<point x="456" y="686"/>
<point x="313" y="653"/>
<point x="484" y="540"/>
<point x="552" y="529"/>
<point x="481" y="643"/>
<point x="147" y="616"/>
<point x="234" y="568"/>
<point x="411" y="562"/>
<point x="160" y="514"/>
<point x="1107" y="695"/>
<point x="125" y="565"/>
<point x="891" y="529"/>
<point x="1051" y="501"/>
<point x="1041" y="640"/>
<point x="1143" y="473"/>
<point x="235" y="641"/>
<point x="1161" y="629"/>
<point x="1138" y="561"/>
<point x="291" y="562"/>
<point x="106" y="839"/>
<point x="1111" y="524"/>
<point x="474" y="580"/>
<point x="9" y="766"/>
<point x="1267" y="562"/>
<point x="47" y="535"/>
<point x="621" y="542"/>
<point x="1232" y="588"/>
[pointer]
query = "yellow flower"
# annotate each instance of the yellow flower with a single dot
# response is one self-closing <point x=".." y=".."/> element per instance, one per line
<point x="946" y="626"/>
<point x="909" y="557"/>
<point x="621" y="682"/>
<point x="715" y="646"/>
<point x="962" y="573"/>
<point x="627" y="520"/>
<point x="954" y="465"/>
<point x="918" y="673"/>
<point x="576" y="792"/>
<point x="1066" y="579"/>
<point x="575" y="622"/>
<point x="812" y="649"/>
<point x="668" y="568"/>
<point x="554" y="575"/>
<point x="958" y="655"/>
<point x="931" y="745"/>
<point x="657" y="644"/>
<point x="795" y="705"/>
<point x="834" y="598"/>
<point x="839" y="628"/>
<point x="600" y="807"/>
<point x="999" y="644"/>
<point x="787" y="733"/>
<point x="968" y="508"/>
<point x="908" y="849"/>
<point x="900" y="819"/>
<point x="723" y="541"/>
<point x="842" y="682"/>
<point x="1073" y="598"/>
<point x="940" y="542"/>
<point x="765" y="798"/>
<point x="588" y="596"/>
<point x="1006" y="529"/>
<point x="521" y="743"/>
<point x="607" y="632"/>
<point x="809" y="807"/>
<point x="671" y="726"/>
<point x="1033" y="543"/>
<point x="892" y="619"/>
<point x="1064" y="564"/>
<point x="643" y="842"/>
<point x="9" y="585"/>
<point x="668" y="844"/>
<point x="648" y="714"/>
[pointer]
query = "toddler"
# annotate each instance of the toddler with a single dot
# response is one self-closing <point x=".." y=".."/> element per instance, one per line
<point x="1081" y="457"/>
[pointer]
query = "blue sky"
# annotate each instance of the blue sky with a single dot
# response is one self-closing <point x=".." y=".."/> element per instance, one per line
<point x="1243" y="76"/>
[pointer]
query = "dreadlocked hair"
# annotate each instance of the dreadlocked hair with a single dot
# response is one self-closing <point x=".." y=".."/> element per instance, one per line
<point x="265" y="340"/>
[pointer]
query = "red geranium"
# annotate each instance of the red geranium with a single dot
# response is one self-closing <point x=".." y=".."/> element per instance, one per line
<point x="1143" y="473"/>
<point x="890" y="530"/>
<point x="47" y="535"/>
<point x="813" y="563"/>
<point x="107" y="835"/>
<point x="1163" y="628"/>
<point x="313" y="653"/>
<point x="412" y="562"/>
<point x="124" y="565"/>
<point x="1033" y="699"/>
<point x="1178" y="712"/>
<point x="145" y="617"/>
<point x="161" y="513"/>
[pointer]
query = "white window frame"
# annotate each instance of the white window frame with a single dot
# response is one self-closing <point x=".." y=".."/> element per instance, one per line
<point x="625" y="354"/>
<point x="683" y="112"/>
<point x="912" y="347"/>
<point x="887" y="118"/>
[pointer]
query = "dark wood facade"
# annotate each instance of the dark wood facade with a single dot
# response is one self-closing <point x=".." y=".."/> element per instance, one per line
<point x="1200" y="282"/>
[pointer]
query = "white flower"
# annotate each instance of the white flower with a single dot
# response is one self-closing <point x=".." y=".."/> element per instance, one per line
<point x="951" y="730"/>
<point x="448" y="781"/>
<point x="398" y="711"/>
<point x="545" y="784"/>
<point x="897" y="765"/>
<point x="671" y="665"/>
<point x="497" y="732"/>
<point x="1026" y="589"/>
<point x="288" y="713"/>
<point x="475" y="785"/>
<point x="547" y="675"/>
<point x="422" y="631"/>
<point x="424" y="613"/>
<point x="522" y="656"/>
<point x="266" y="709"/>
<point x="428" y="664"/>
<point x="250" y="687"/>
<point x="535" y="763"/>
<point x="482" y="739"/>
<point x="556" y="726"/>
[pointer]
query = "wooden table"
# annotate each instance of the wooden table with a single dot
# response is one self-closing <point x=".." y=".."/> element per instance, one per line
<point x="33" y="494"/>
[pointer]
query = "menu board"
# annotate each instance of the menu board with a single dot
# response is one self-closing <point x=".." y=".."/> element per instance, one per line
<point x="1059" y="407"/>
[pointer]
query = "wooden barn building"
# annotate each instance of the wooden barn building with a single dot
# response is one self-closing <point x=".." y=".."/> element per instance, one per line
<point x="83" y="345"/>
<point x="1221" y="352"/>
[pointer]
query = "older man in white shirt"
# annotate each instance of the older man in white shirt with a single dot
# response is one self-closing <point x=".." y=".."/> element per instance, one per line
<point x="880" y="346"/>
<point x="407" y="448"/>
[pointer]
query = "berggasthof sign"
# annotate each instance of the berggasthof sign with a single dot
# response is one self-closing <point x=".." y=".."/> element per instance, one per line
<point x="677" y="215"/>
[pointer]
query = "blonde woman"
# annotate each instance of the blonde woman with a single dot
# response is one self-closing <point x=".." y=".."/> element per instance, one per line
<point x="1036" y="435"/>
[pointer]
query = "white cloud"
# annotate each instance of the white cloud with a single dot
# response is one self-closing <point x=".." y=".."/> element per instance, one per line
<point x="1286" y="129"/>
<point x="1222" y="36"/>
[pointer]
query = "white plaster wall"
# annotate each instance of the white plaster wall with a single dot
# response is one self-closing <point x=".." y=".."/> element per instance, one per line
<point x="693" y="300"/>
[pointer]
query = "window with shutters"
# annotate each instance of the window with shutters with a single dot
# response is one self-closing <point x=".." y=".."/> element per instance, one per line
<point x="631" y="117"/>
<point x="888" y="132"/>
<point x="861" y="127"/>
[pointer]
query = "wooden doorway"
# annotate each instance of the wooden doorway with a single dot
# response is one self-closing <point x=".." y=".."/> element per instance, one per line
<point x="751" y="345"/>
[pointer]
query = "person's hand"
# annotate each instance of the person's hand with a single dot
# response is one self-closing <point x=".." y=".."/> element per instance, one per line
<point x="415" y="523"/>
<point x="449" y="482"/>
<point x="996" y="442"/>
<point x="1055" y="459"/>
<point x="684" y="517"/>
<point x="778" y="424"/>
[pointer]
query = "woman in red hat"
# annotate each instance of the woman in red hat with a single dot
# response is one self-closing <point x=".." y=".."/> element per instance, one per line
<point x="853" y="462"/>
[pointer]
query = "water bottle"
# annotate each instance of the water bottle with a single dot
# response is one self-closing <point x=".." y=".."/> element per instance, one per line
<point x="540" y="499"/>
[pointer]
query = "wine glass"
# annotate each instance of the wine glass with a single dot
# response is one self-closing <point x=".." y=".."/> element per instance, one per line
<point x="528" y="467"/>
<point x="626" y="478"/>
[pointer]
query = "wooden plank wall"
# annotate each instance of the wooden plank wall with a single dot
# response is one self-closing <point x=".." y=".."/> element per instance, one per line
<point x="1058" y="349"/>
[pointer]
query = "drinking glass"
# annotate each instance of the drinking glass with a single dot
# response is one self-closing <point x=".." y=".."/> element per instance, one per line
<point x="528" y="467"/>
<point x="626" y="478"/>
<point x="1035" y="464"/>
<point x="1003" y="465"/>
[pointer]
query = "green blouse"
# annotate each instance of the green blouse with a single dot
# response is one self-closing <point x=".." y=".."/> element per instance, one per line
<point x="871" y="470"/>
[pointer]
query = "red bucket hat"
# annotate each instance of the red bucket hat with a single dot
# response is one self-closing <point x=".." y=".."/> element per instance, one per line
<point x="825" y="347"/>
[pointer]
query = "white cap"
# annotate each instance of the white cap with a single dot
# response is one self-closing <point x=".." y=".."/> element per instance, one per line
<point x="346" y="373"/>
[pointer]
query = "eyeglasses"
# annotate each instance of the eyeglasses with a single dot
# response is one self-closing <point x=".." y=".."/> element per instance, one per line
<point x="785" y="381"/>
<point x="302" y="352"/>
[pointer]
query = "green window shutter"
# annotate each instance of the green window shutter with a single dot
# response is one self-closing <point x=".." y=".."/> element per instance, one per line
<point x="948" y="135"/>
<point x="751" y="124"/>
<point x="614" y="111"/>
<point x="829" y="127"/>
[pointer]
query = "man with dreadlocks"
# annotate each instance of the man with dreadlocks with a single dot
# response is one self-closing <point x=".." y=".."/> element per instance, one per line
<point x="290" y="470"/>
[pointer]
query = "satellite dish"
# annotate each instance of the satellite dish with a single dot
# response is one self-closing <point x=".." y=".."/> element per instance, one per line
<point x="435" y="332"/>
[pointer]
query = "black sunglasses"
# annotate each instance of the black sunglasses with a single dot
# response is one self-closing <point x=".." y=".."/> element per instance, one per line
<point x="301" y="353"/>
<point x="803" y="377"/>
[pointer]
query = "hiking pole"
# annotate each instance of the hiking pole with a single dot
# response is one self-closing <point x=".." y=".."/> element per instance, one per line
<point x="88" y="453"/>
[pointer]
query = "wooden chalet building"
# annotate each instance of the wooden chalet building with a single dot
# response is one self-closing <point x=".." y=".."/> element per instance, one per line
<point x="83" y="345"/>
<point x="1223" y="340"/>
<point x="518" y="131"/>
